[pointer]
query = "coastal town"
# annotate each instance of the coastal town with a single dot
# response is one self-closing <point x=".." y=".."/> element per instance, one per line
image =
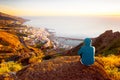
<point x="43" y="38"/>
<point x="33" y="36"/>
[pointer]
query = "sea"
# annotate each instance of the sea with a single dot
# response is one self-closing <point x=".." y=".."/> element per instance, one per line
<point x="78" y="27"/>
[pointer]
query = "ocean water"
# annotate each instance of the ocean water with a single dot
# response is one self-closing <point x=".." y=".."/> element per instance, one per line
<point x="76" y="26"/>
<point x="68" y="42"/>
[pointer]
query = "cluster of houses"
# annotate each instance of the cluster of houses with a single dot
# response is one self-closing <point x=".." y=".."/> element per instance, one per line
<point x="42" y="37"/>
<point x="36" y="36"/>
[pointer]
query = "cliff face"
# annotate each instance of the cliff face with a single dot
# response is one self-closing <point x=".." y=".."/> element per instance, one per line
<point x="63" y="68"/>
<point x="106" y="43"/>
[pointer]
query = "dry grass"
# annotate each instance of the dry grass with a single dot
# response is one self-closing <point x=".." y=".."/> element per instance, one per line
<point x="112" y="65"/>
<point x="10" y="40"/>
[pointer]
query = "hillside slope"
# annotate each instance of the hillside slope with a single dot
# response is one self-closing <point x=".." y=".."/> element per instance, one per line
<point x="10" y="47"/>
<point x="63" y="68"/>
<point x="107" y="43"/>
<point x="8" y="39"/>
<point x="12" y="44"/>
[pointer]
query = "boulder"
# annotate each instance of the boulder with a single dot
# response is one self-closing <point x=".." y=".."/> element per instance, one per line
<point x="63" y="68"/>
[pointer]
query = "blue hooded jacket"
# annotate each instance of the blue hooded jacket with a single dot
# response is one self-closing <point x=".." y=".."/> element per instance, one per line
<point x="87" y="52"/>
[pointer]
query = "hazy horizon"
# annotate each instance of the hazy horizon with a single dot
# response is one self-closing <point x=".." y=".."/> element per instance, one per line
<point x="75" y="26"/>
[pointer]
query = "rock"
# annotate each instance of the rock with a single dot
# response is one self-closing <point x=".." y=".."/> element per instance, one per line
<point x="7" y="76"/>
<point x="63" y="68"/>
<point x="105" y="40"/>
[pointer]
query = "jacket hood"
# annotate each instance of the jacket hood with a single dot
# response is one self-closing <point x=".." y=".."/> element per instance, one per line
<point x="87" y="42"/>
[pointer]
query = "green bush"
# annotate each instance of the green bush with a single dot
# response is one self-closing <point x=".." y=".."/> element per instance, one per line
<point x="113" y="48"/>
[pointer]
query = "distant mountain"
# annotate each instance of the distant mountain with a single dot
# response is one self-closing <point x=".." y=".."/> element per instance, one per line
<point x="4" y="16"/>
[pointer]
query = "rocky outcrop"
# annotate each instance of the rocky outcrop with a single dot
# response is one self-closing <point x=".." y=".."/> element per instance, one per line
<point x="8" y="76"/>
<point x="107" y="41"/>
<point x="63" y="68"/>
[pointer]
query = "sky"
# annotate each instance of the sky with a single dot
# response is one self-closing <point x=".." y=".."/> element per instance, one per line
<point x="89" y="17"/>
<point x="60" y="7"/>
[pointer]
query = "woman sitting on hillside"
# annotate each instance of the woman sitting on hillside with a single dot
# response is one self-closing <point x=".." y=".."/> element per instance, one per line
<point x="87" y="53"/>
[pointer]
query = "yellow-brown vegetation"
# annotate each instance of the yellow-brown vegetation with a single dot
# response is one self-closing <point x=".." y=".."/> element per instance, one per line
<point x="8" y="70"/>
<point x="10" y="66"/>
<point x="10" y="40"/>
<point x="112" y="65"/>
<point x="36" y="56"/>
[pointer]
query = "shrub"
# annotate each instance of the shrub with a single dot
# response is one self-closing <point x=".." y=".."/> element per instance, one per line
<point x="34" y="59"/>
<point x="9" y="67"/>
<point x="113" y="48"/>
<point x="112" y="65"/>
